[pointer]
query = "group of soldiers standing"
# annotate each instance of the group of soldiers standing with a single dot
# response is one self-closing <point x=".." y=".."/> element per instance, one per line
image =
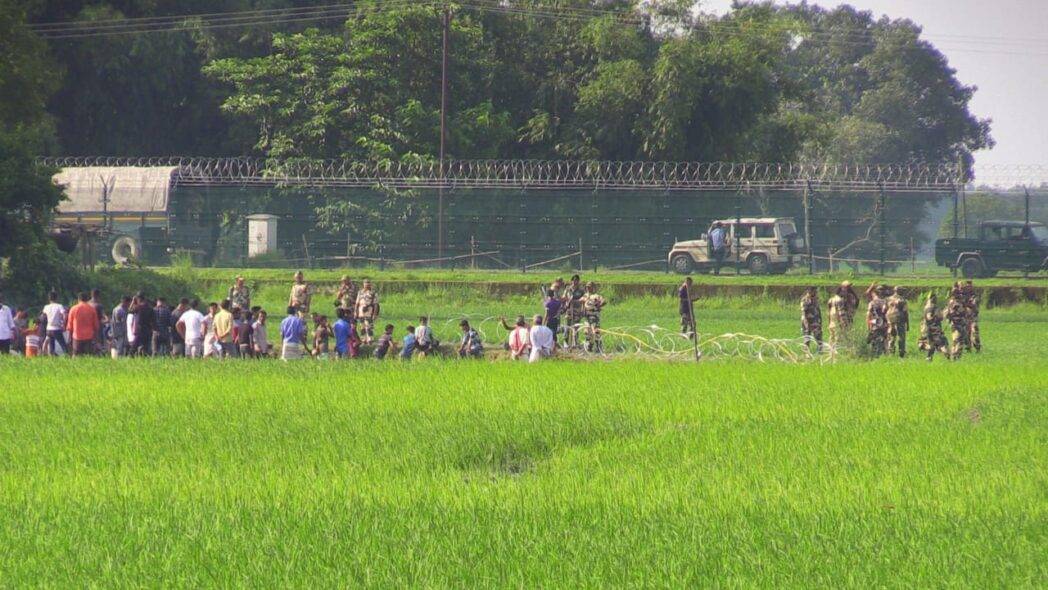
<point x="888" y="319"/>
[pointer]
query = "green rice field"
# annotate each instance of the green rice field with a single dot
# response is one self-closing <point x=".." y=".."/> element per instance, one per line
<point x="617" y="472"/>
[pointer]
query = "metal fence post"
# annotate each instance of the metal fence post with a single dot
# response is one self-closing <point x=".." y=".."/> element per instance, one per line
<point x="881" y="228"/>
<point x="738" y="237"/>
<point x="807" y="227"/>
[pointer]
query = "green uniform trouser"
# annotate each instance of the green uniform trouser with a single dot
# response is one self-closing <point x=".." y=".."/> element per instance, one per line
<point x="973" y="336"/>
<point x="959" y="340"/>
<point x="897" y="339"/>
<point x="877" y="340"/>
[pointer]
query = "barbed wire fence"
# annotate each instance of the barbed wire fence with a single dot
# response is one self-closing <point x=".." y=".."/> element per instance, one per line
<point x="530" y="215"/>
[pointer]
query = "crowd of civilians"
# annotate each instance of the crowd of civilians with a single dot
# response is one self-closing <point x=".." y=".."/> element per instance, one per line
<point x="139" y="326"/>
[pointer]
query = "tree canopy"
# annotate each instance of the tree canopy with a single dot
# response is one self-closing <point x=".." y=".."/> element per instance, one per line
<point x="580" y="79"/>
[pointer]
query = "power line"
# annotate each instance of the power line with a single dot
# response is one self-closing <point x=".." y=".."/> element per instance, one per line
<point x="259" y="17"/>
<point x="58" y="31"/>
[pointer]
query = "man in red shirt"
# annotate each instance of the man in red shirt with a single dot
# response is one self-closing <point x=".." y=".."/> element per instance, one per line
<point x="82" y="323"/>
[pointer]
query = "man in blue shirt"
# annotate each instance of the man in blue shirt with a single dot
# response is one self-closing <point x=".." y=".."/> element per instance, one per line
<point x="342" y="335"/>
<point x="409" y="344"/>
<point x="718" y="246"/>
<point x="293" y="333"/>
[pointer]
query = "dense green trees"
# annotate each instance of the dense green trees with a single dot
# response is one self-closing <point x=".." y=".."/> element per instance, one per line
<point x="27" y="196"/>
<point x="567" y="79"/>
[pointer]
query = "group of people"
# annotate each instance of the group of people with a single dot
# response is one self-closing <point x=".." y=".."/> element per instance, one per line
<point x="571" y="318"/>
<point x="888" y="320"/>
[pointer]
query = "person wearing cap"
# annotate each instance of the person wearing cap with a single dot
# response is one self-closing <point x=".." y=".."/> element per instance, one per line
<point x="592" y="305"/>
<point x="811" y="318"/>
<point x="367" y="311"/>
<point x="346" y="298"/>
<point x="898" y="315"/>
<point x="971" y="302"/>
<point x="851" y="303"/>
<point x="572" y="297"/>
<point x="240" y="295"/>
<point x="957" y="315"/>
<point x="932" y="338"/>
<point x="301" y="294"/>
<point x="877" y="320"/>
<point x="835" y="308"/>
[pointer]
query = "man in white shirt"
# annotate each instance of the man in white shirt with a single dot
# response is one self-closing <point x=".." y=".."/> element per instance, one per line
<point x="424" y="341"/>
<point x="56" y="320"/>
<point x="541" y="341"/>
<point x="8" y="332"/>
<point x="191" y="327"/>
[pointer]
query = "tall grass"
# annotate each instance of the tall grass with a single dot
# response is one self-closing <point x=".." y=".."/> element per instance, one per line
<point x="476" y="474"/>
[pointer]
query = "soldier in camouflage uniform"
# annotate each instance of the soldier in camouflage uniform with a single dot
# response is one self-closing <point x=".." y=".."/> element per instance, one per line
<point x="851" y="305"/>
<point x="367" y="311"/>
<point x="811" y="318"/>
<point x="301" y="294"/>
<point x="971" y="302"/>
<point x="898" y="322"/>
<point x="957" y="315"/>
<point x="572" y="297"/>
<point x="837" y="312"/>
<point x="346" y="299"/>
<point x="239" y="295"/>
<point x="592" y="304"/>
<point x="932" y="339"/>
<point x="877" y="320"/>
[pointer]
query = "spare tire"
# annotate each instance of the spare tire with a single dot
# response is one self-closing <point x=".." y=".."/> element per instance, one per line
<point x="126" y="249"/>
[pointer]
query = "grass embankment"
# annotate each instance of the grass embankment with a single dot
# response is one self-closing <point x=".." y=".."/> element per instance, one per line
<point x="148" y="473"/>
<point x="544" y="276"/>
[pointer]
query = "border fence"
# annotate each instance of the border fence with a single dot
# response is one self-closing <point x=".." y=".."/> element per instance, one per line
<point x="527" y="215"/>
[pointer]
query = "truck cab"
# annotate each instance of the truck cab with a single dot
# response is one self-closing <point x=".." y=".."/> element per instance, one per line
<point x="766" y="245"/>
<point x="1000" y="245"/>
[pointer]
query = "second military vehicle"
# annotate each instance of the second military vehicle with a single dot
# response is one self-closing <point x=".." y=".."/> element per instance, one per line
<point x="999" y="245"/>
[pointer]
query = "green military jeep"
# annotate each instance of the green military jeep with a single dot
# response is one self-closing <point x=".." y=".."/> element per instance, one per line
<point x="1000" y="245"/>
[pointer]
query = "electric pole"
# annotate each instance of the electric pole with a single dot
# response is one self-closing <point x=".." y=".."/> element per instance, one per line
<point x="443" y="129"/>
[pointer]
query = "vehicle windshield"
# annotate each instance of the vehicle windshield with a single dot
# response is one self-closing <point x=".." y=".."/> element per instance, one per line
<point x="1040" y="233"/>
<point x="786" y="228"/>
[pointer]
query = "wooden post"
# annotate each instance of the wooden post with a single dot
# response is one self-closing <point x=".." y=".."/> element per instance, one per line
<point x="473" y="252"/>
<point x="580" y="255"/>
<point x="913" y="258"/>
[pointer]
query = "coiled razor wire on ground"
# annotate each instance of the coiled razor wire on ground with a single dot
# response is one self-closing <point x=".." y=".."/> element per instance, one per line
<point x="656" y="342"/>
<point x="541" y="174"/>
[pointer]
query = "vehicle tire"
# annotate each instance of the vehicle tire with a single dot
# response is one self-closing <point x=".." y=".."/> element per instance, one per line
<point x="757" y="264"/>
<point x="971" y="268"/>
<point x="681" y="263"/>
<point x="125" y="249"/>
